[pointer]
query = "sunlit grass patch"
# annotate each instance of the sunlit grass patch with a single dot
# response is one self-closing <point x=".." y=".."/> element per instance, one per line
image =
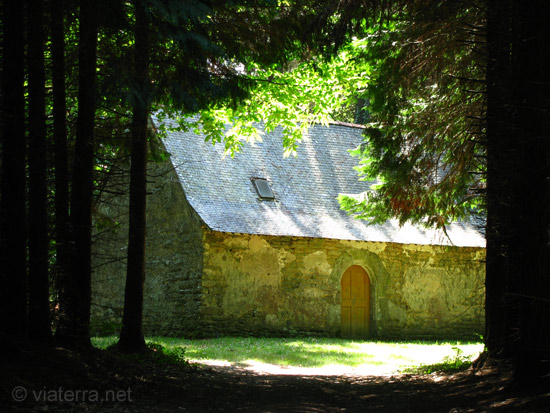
<point x="458" y="361"/>
<point x="366" y="356"/>
<point x="104" y="342"/>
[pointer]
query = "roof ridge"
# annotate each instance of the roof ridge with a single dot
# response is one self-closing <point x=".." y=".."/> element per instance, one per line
<point x="349" y="125"/>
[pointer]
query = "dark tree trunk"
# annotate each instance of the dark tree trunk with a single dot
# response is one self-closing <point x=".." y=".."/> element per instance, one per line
<point x="533" y="119"/>
<point x="74" y="326"/>
<point x="518" y="187"/>
<point x="13" y="299"/>
<point x="131" y="334"/>
<point x="500" y="181"/>
<point x="39" y="308"/>
<point x="60" y="146"/>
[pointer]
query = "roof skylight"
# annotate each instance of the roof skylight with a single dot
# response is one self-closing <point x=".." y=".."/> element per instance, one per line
<point x="262" y="188"/>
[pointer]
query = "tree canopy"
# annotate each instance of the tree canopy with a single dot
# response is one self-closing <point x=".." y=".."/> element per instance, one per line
<point x="424" y="139"/>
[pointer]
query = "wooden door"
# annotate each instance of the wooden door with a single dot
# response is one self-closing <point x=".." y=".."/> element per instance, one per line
<point x="355" y="303"/>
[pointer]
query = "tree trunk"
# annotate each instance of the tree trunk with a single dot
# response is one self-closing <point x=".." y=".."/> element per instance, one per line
<point x="518" y="187"/>
<point x="74" y="327"/>
<point x="532" y="108"/>
<point x="131" y="334"/>
<point x="13" y="252"/>
<point x="60" y="146"/>
<point x="39" y="304"/>
<point x="500" y="182"/>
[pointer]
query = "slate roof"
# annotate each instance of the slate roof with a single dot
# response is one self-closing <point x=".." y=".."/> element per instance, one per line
<point x="306" y="188"/>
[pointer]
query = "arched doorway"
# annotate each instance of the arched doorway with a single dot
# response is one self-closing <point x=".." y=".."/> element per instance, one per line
<point x="355" y="305"/>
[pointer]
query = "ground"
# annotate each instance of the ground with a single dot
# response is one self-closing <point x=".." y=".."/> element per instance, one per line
<point x="62" y="380"/>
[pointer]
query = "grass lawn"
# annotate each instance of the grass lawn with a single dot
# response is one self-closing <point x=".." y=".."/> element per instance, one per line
<point x="366" y="356"/>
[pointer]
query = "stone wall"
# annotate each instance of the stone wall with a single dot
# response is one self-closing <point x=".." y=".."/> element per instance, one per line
<point x="285" y="285"/>
<point x="173" y="262"/>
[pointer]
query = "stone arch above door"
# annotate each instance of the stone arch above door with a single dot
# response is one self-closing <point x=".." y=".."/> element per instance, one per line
<point x="378" y="275"/>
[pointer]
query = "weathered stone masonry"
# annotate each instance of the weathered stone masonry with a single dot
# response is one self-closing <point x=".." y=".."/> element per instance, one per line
<point x="281" y="285"/>
<point x="265" y="285"/>
<point x="173" y="261"/>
